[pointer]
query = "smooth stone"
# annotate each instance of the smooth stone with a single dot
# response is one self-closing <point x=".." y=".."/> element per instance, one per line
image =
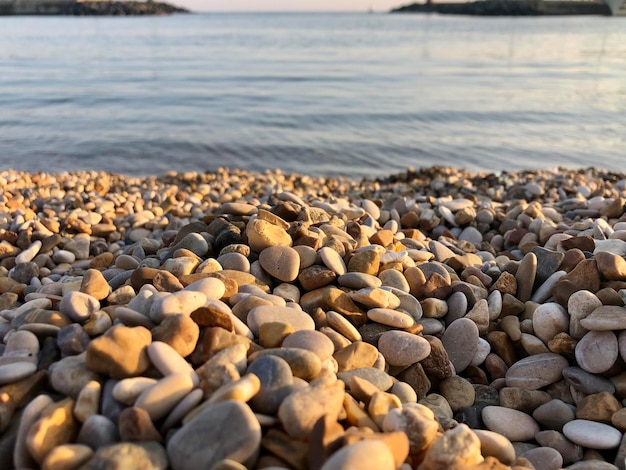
<point x="15" y="371"/>
<point x="401" y="348"/>
<point x="512" y="424"/>
<point x="537" y="371"/>
<point x="280" y="262"/>
<point x="69" y="375"/>
<point x="545" y="458"/>
<point x="22" y="458"/>
<point x="312" y="340"/>
<point x="592" y="435"/>
<point x="304" y="364"/>
<point x="569" y="451"/>
<point x="357" y="280"/>
<point x="78" y="305"/>
<point x="554" y="414"/>
<point x="168" y="361"/>
<point x="127" y="390"/>
<point x="525" y="277"/>
<point x="159" y="399"/>
<point x="67" y="456"/>
<point x="579" y="306"/>
<point x="180" y="332"/>
<point x="549" y="319"/>
<point x="262" y="234"/>
<point x="88" y="401"/>
<point x="212" y="287"/>
<point x="587" y="383"/>
<point x="98" y="431"/>
<point x="181" y="302"/>
<point x="368" y="454"/>
<point x="389" y="317"/>
<point x="460" y="340"/>
<point x="72" y="340"/>
<point x="55" y="426"/>
<point x="298" y="319"/>
<point x="332" y="260"/>
<point x="495" y="445"/>
<point x="135" y="425"/>
<point x="597" y="351"/>
<point x="276" y="380"/>
<point x="458" y="392"/>
<point x="605" y="318"/>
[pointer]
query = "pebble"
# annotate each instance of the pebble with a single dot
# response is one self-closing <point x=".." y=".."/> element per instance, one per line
<point x="147" y="300"/>
<point x="591" y="434"/>
<point x="512" y="424"/>
<point x="403" y="349"/>
<point x="460" y="341"/>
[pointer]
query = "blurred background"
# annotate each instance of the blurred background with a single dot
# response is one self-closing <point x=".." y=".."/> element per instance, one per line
<point x="324" y="92"/>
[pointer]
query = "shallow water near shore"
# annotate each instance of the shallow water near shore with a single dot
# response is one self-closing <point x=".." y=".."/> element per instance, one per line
<point x="353" y="94"/>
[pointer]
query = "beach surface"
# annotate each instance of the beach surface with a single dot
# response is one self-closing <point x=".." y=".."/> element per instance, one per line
<point x="435" y="318"/>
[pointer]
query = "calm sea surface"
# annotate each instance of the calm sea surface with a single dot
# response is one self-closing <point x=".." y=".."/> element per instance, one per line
<point x="353" y="94"/>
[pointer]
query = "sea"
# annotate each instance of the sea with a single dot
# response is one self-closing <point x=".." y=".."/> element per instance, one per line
<point x="351" y="94"/>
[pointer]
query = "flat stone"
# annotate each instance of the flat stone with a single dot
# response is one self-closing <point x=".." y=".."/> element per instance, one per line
<point x="389" y="317"/>
<point x="512" y="424"/>
<point x="298" y="319"/>
<point x="69" y="375"/>
<point x="460" y="341"/>
<point x="605" y="318"/>
<point x="67" y="456"/>
<point x="597" y="351"/>
<point x="587" y="383"/>
<point x="16" y="371"/>
<point x="569" y="451"/>
<point x="358" y="280"/>
<point x="545" y="458"/>
<point x="380" y="379"/>
<point x="537" y="371"/>
<point x="159" y="399"/>
<point x="401" y="348"/>
<point x="592" y="435"/>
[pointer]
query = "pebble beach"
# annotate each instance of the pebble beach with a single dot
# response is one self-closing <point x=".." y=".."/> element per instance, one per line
<point x="433" y="319"/>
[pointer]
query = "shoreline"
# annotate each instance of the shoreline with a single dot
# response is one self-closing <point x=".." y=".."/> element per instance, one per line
<point x="427" y="319"/>
<point x="87" y="8"/>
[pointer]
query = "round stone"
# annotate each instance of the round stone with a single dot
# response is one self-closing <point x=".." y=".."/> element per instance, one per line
<point x="597" y="351"/>
<point x="281" y="262"/>
<point x="312" y="340"/>
<point x="365" y="454"/>
<point x="401" y="348"/>
<point x="549" y="319"/>
<point x="389" y="317"/>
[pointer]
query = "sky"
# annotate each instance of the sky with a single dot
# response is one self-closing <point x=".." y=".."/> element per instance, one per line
<point x="289" y="5"/>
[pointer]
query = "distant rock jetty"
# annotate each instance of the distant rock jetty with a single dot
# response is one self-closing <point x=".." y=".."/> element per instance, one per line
<point x="511" y="8"/>
<point x="87" y="8"/>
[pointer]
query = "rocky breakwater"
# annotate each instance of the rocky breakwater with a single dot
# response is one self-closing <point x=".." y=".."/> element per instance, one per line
<point x="230" y="320"/>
